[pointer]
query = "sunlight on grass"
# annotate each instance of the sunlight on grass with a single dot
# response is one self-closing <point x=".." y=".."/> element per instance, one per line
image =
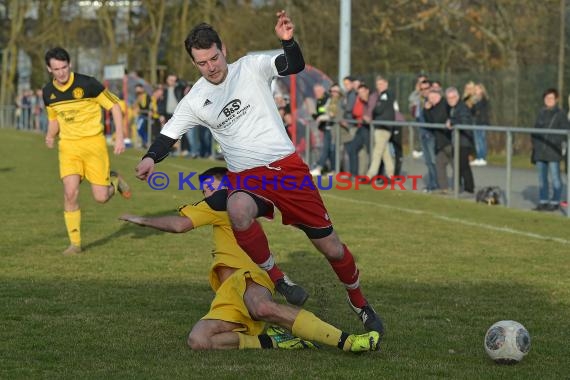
<point x="440" y="271"/>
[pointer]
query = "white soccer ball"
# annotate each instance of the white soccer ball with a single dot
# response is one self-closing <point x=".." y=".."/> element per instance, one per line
<point x="507" y="342"/>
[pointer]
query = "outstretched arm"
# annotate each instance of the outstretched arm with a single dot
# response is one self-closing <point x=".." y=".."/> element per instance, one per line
<point x="156" y="153"/>
<point x="292" y="61"/>
<point x="174" y="224"/>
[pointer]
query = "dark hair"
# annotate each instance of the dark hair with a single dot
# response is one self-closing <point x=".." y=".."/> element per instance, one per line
<point x="217" y="172"/>
<point x="57" y="53"/>
<point x="202" y="37"/>
<point x="349" y="77"/>
<point x="363" y="85"/>
<point x="549" y="91"/>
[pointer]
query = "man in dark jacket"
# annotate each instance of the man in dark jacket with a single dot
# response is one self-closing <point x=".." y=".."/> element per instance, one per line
<point x="436" y="112"/>
<point x="173" y="92"/>
<point x="327" y="149"/>
<point x="459" y="114"/>
<point x="547" y="151"/>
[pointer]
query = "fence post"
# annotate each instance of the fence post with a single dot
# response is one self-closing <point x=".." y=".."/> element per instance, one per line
<point x="509" y="167"/>
<point x="456" y="148"/>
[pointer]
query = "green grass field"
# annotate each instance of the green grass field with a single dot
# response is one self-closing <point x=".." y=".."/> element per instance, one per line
<point x="440" y="271"/>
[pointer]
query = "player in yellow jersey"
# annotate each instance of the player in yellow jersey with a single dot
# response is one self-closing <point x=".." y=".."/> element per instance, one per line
<point x="73" y="103"/>
<point x="243" y="300"/>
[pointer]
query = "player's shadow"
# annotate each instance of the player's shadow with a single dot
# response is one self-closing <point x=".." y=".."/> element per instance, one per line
<point x="7" y="169"/>
<point x="129" y="229"/>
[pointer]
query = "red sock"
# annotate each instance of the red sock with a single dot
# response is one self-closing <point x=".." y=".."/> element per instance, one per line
<point x="347" y="273"/>
<point x="254" y="242"/>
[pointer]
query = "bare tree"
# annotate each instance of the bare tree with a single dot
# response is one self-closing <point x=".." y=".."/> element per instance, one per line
<point x="106" y="21"/>
<point x="16" y="13"/>
<point x="156" y="11"/>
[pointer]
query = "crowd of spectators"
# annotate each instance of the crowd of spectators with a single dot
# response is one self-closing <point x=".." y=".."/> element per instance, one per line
<point x="354" y="109"/>
<point x="351" y="110"/>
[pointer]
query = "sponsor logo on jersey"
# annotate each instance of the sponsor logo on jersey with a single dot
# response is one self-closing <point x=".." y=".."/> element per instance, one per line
<point x="207" y="103"/>
<point x="52" y="96"/>
<point x="231" y="113"/>
<point x="77" y="93"/>
<point x="229" y="109"/>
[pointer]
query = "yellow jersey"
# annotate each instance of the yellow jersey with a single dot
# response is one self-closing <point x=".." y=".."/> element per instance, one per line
<point x="77" y="106"/>
<point x="212" y="211"/>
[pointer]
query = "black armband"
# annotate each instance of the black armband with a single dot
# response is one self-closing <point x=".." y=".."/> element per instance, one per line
<point x="291" y="61"/>
<point x="160" y="148"/>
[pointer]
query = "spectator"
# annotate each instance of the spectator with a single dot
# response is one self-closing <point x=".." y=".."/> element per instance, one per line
<point x="469" y="94"/>
<point x="172" y="94"/>
<point x="361" y="138"/>
<point x="381" y="108"/>
<point x="480" y="112"/>
<point x="40" y="112"/>
<point x="459" y="114"/>
<point x="334" y="112"/>
<point x="547" y="151"/>
<point x="436" y="112"/>
<point x="436" y="85"/>
<point x="415" y="107"/>
<point x="396" y="141"/>
<point x="155" y="115"/>
<point x="427" y="139"/>
<point x="26" y="104"/>
<point x="321" y="117"/>
<point x="351" y="85"/>
<point x="142" y="108"/>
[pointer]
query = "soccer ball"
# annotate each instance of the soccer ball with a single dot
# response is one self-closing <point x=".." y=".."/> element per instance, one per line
<point x="507" y="342"/>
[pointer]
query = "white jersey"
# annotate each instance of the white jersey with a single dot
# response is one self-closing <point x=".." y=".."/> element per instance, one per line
<point x="240" y="112"/>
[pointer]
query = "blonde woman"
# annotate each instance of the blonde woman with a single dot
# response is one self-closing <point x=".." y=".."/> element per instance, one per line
<point x="481" y="116"/>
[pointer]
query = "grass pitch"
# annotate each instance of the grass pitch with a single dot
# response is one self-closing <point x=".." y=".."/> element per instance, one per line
<point x="440" y="271"/>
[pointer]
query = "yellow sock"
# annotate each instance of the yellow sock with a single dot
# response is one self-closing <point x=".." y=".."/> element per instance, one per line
<point x="248" y="341"/>
<point x="73" y="224"/>
<point x="309" y="327"/>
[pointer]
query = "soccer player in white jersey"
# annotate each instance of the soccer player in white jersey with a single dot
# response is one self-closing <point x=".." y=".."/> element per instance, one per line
<point x="234" y="101"/>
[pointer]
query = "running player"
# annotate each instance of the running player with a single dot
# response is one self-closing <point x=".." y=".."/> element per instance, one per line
<point x="73" y="103"/>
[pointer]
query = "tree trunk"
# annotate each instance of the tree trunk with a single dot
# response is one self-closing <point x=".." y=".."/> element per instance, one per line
<point x="106" y="26"/>
<point x="156" y="21"/>
<point x="182" y="61"/>
<point x="17" y="11"/>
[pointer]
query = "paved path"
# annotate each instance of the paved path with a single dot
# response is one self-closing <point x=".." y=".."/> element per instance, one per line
<point x="524" y="182"/>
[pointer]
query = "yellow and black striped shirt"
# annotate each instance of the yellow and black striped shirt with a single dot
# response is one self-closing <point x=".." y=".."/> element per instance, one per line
<point x="77" y="106"/>
<point x="227" y="253"/>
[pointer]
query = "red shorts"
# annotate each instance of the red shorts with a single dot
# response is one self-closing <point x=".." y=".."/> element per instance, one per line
<point x="288" y="185"/>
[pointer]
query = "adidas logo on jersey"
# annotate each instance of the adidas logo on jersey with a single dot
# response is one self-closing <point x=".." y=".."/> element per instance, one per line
<point x="207" y="103"/>
<point x="52" y="96"/>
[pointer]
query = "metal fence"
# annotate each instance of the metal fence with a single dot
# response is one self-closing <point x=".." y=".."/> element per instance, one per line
<point x="509" y="131"/>
<point x="25" y="119"/>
